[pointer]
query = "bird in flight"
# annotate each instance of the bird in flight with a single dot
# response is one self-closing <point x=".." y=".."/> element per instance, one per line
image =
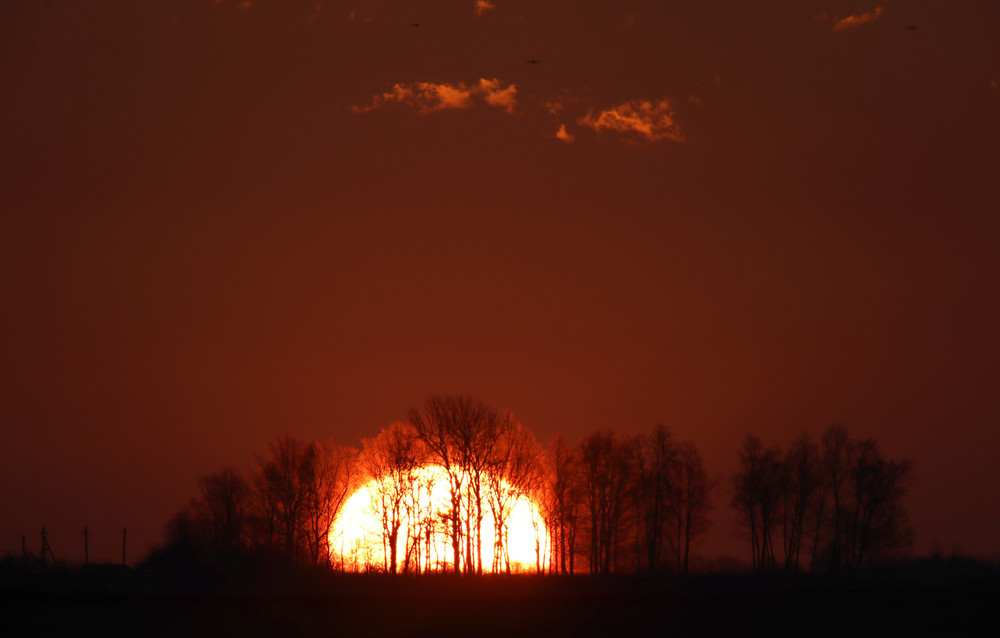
<point x="533" y="62"/>
<point x="910" y="28"/>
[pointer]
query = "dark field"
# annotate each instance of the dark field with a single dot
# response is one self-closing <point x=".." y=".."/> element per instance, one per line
<point x="272" y="602"/>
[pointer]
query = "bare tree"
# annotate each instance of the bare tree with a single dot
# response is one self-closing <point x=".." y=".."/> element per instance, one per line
<point x="607" y="477"/>
<point x="565" y="502"/>
<point x="879" y="524"/>
<point x="223" y="508"/>
<point x="392" y="460"/>
<point x="460" y="433"/>
<point x="838" y="449"/>
<point x="216" y="520"/>
<point x="334" y="478"/>
<point x="513" y="473"/>
<point x="801" y="480"/>
<point x="654" y="459"/>
<point x="422" y="521"/>
<point x="756" y="495"/>
<point x="280" y="483"/>
<point x="845" y="489"/>
<point x="691" y="502"/>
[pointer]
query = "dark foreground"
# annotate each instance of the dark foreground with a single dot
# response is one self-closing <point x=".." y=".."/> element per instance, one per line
<point x="262" y="603"/>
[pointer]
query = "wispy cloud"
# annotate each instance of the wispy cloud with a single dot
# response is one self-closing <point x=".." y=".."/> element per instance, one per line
<point x="482" y="6"/>
<point x="428" y="97"/>
<point x="858" y="19"/>
<point x="637" y="121"/>
<point x="642" y="119"/>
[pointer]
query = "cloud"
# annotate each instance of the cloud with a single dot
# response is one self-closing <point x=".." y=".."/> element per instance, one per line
<point x="563" y="135"/>
<point x="496" y="94"/>
<point x="858" y="19"/>
<point x="428" y="97"/>
<point x="649" y="121"/>
<point x="552" y="106"/>
<point x="635" y="120"/>
<point x="482" y="6"/>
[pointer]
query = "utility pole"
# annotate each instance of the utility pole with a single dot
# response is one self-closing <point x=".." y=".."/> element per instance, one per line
<point x="124" y="529"/>
<point x="24" y="550"/>
<point x="86" y="547"/>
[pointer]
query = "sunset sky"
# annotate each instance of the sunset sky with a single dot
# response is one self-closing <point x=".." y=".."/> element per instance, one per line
<point x="225" y="221"/>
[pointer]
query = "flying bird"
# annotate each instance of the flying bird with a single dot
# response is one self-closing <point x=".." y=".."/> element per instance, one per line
<point x="533" y="62"/>
<point x="910" y="28"/>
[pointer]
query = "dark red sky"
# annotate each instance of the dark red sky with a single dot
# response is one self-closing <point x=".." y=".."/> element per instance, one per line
<point x="221" y="222"/>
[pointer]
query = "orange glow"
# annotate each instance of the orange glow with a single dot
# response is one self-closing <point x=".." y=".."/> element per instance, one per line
<point x="358" y="541"/>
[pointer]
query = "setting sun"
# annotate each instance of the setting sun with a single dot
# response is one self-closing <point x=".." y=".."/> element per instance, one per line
<point x="359" y="538"/>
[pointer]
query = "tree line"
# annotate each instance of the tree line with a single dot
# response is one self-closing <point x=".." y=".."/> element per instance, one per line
<point x="829" y="505"/>
<point x="608" y="504"/>
<point x="283" y="506"/>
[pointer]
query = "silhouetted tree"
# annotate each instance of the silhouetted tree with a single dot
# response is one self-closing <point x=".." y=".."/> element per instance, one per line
<point x="224" y="507"/>
<point x="514" y="471"/>
<point x="845" y="489"/>
<point x="334" y="478"/>
<point x="756" y="496"/>
<point x="422" y="522"/>
<point x="607" y="479"/>
<point x="878" y="524"/>
<point x="801" y="481"/>
<point x="216" y="520"/>
<point x="690" y="502"/>
<point x="392" y="460"/>
<point x="460" y="433"/>
<point x="280" y="483"/>
<point x="654" y="459"/>
<point x="565" y="502"/>
<point x="838" y="448"/>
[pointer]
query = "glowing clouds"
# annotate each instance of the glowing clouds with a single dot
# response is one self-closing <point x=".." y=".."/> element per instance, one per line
<point x="633" y="121"/>
<point x="421" y="523"/>
<point x="482" y="6"/>
<point x="642" y="119"/>
<point x="428" y="97"/>
<point x="563" y="135"/>
<point x="858" y="19"/>
<point x="496" y="94"/>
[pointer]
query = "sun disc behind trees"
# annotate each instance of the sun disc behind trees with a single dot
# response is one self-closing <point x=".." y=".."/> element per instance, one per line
<point x="416" y="511"/>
